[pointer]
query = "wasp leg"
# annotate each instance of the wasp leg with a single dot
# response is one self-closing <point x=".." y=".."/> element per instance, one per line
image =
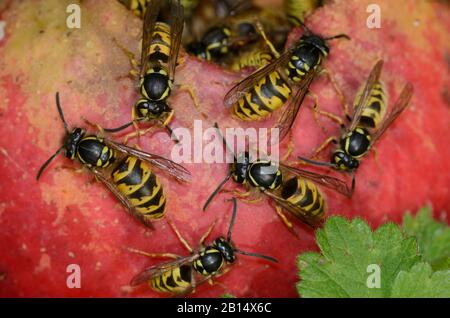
<point x="252" y="201"/>
<point x="290" y="147"/>
<point x="76" y="170"/>
<point x="137" y="133"/>
<point x="99" y="128"/>
<point x="207" y="233"/>
<point x="376" y="158"/>
<point x="194" y="98"/>
<point x="286" y="221"/>
<point x="180" y="237"/>
<point x="153" y="255"/>
<point x="272" y="48"/>
<point x="134" y="72"/>
<point x="338" y="90"/>
<point x="237" y="193"/>
<point x="316" y="110"/>
<point x="325" y="144"/>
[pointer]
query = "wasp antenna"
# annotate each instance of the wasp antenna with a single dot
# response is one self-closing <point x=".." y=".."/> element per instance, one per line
<point x="113" y="130"/>
<point x="345" y="36"/>
<point x="219" y="187"/>
<point x="47" y="162"/>
<point x="257" y="255"/>
<point x="233" y="217"/>
<point x="316" y="163"/>
<point x="224" y="141"/>
<point x="60" y="111"/>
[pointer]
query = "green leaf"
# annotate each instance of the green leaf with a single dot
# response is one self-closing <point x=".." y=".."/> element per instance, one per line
<point x="227" y="296"/>
<point x="420" y="281"/>
<point x="432" y="237"/>
<point x="349" y="254"/>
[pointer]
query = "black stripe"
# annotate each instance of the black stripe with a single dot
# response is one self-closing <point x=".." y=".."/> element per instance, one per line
<point x="146" y="189"/>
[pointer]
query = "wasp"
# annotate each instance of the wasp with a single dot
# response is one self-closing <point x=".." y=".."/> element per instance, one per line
<point x="125" y="171"/>
<point x="366" y="125"/>
<point x="222" y="38"/>
<point x="295" y="190"/>
<point x="183" y="274"/>
<point x="296" y="10"/>
<point x="160" y="48"/>
<point x="138" y="7"/>
<point x="235" y="31"/>
<point x="270" y="87"/>
<point x="256" y="55"/>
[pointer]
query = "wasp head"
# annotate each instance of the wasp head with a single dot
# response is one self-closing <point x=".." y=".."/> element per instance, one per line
<point x="225" y="248"/>
<point x="344" y="161"/>
<point x="72" y="141"/>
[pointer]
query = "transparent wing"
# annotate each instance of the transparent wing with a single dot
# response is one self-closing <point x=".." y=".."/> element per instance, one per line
<point x="401" y="103"/>
<point x="157" y="270"/>
<point x="291" y="110"/>
<point x="151" y="15"/>
<point x="176" y="31"/>
<point x="174" y="169"/>
<point x="122" y="198"/>
<point x="247" y="83"/>
<point x="364" y="98"/>
<point x="320" y="179"/>
<point x="295" y="210"/>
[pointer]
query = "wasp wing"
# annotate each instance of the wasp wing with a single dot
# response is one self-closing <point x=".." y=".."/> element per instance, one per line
<point x="401" y="103"/>
<point x="290" y="112"/>
<point x="174" y="169"/>
<point x="364" y="97"/>
<point x="321" y="179"/>
<point x="176" y="31"/>
<point x="295" y="210"/>
<point x="240" y="89"/>
<point x="150" y="17"/>
<point x="99" y="174"/>
<point x="158" y="270"/>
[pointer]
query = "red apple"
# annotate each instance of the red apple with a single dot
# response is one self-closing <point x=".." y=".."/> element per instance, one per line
<point x="66" y="218"/>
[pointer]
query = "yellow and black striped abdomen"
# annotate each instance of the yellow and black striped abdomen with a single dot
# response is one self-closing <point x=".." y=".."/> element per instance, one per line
<point x="136" y="6"/>
<point x="375" y="111"/>
<point x="159" y="48"/>
<point x="175" y="280"/>
<point x="141" y="186"/>
<point x="265" y="97"/>
<point x="297" y="9"/>
<point x="305" y="195"/>
<point x="251" y="59"/>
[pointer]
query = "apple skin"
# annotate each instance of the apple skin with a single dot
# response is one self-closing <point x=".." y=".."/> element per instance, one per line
<point x="67" y="218"/>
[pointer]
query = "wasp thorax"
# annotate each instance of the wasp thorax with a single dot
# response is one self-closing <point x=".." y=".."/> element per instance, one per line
<point x="357" y="142"/>
<point x="246" y="29"/>
<point x="72" y="141"/>
<point x="209" y="262"/>
<point x="265" y="174"/>
<point x="344" y="161"/>
<point x="225" y="249"/>
<point x="151" y="109"/>
<point x="216" y="41"/>
<point x="317" y="42"/>
<point x="156" y="84"/>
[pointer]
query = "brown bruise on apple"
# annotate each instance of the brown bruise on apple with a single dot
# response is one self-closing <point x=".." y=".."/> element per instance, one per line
<point x="66" y="218"/>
